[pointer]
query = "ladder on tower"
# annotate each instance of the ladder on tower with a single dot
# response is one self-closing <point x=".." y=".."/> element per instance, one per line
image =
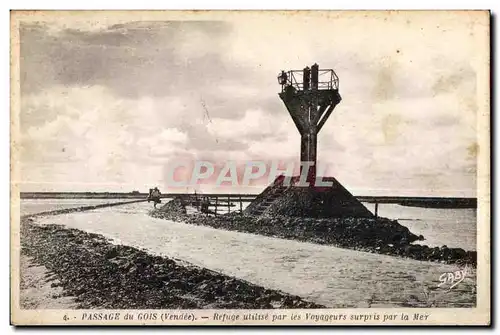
<point x="268" y="201"/>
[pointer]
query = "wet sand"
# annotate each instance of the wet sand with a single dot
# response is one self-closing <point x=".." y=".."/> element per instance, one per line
<point x="37" y="290"/>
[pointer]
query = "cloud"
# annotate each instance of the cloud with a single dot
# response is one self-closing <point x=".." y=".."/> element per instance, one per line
<point x="254" y="124"/>
<point x="94" y="136"/>
<point x="113" y="104"/>
<point x="134" y="59"/>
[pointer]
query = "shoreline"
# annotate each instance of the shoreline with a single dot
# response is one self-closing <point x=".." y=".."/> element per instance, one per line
<point x="38" y="290"/>
<point x="78" y="209"/>
<point x="102" y="275"/>
<point x="380" y="235"/>
<point x="93" y="245"/>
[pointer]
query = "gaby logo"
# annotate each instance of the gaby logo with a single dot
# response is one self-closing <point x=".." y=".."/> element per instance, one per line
<point x="453" y="278"/>
<point x="230" y="174"/>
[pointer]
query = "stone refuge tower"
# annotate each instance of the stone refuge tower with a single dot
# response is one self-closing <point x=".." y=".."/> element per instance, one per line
<point x="310" y="96"/>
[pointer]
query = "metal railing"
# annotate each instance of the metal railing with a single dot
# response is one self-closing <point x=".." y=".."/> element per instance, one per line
<point x="327" y="80"/>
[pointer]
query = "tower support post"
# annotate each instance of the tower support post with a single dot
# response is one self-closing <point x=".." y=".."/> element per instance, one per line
<point x="308" y="152"/>
<point x="309" y="103"/>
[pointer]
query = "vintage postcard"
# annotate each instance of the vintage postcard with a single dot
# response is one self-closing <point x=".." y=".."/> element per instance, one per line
<point x="250" y="168"/>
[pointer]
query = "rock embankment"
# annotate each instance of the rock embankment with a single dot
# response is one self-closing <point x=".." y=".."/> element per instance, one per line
<point x="81" y="209"/>
<point x="376" y="235"/>
<point x="103" y="275"/>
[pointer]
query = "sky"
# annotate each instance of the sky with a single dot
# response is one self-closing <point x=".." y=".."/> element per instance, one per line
<point x="109" y="106"/>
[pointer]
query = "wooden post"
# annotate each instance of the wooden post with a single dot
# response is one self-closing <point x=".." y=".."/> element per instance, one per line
<point x="376" y="209"/>
<point x="228" y="204"/>
<point x="216" y="202"/>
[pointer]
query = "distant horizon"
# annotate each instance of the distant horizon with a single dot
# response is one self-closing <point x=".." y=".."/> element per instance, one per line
<point x="237" y="193"/>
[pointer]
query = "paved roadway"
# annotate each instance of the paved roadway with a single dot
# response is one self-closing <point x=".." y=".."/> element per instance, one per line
<point x="327" y="275"/>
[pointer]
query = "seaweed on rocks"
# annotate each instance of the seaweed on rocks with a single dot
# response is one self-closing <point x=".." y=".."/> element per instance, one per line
<point x="175" y="206"/>
<point x="375" y="235"/>
<point x="108" y="276"/>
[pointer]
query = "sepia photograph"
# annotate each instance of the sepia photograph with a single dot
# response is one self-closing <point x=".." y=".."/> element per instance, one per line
<point x="250" y="167"/>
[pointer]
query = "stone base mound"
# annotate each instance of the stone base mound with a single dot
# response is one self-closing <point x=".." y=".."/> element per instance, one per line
<point x="312" y="202"/>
